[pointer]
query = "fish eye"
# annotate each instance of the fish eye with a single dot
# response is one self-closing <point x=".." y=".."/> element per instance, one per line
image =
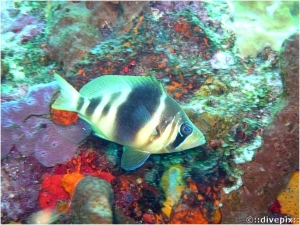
<point x="186" y="129"/>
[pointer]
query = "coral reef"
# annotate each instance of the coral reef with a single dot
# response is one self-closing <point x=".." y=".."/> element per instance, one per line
<point x="263" y="179"/>
<point x="22" y="51"/>
<point x="25" y="28"/>
<point x="270" y="24"/>
<point x="232" y="99"/>
<point x="190" y="210"/>
<point x="221" y="60"/>
<point x="20" y="183"/>
<point x="92" y="202"/>
<point x="58" y="189"/>
<point x="19" y="26"/>
<point x="25" y="126"/>
<point x="136" y="200"/>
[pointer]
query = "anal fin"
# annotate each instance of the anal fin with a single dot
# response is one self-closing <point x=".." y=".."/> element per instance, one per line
<point x="133" y="158"/>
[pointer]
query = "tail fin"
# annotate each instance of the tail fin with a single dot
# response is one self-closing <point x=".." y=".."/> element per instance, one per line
<point x="68" y="97"/>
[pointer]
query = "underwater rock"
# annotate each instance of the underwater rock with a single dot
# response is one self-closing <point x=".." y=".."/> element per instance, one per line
<point x="163" y="52"/>
<point x="24" y="126"/>
<point x="289" y="66"/>
<point x="92" y="202"/>
<point x="183" y="214"/>
<point x="213" y="126"/>
<point x="136" y="200"/>
<point x="20" y="184"/>
<point x="22" y="44"/>
<point x="263" y="179"/>
<point x="86" y="25"/>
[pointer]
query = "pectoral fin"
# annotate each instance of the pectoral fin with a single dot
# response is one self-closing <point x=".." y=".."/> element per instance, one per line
<point x="133" y="158"/>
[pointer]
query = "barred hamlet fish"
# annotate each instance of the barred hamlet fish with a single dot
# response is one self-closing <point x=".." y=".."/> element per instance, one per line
<point x="133" y="111"/>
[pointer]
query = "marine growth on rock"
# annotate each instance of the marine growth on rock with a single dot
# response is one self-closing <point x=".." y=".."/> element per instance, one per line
<point x="239" y="87"/>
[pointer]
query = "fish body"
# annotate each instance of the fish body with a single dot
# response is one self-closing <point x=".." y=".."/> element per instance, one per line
<point x="133" y="111"/>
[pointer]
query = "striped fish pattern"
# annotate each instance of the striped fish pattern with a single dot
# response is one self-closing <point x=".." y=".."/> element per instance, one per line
<point x="133" y="111"/>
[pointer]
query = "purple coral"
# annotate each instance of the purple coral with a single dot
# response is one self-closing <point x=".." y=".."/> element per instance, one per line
<point x="25" y="126"/>
<point x="14" y="114"/>
<point x="54" y="148"/>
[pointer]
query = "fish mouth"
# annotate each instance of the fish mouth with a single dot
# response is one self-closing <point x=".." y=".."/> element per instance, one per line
<point x="194" y="140"/>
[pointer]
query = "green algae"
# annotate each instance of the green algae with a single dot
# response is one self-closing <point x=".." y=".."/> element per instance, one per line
<point x="270" y="23"/>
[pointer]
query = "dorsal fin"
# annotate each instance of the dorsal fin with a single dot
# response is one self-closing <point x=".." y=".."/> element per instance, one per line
<point x="112" y="83"/>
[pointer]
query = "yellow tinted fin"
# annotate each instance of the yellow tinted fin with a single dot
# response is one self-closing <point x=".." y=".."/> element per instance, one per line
<point x="68" y="97"/>
<point x="133" y="158"/>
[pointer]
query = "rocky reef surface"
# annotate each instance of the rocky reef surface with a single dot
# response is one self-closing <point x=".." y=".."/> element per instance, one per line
<point x="245" y="102"/>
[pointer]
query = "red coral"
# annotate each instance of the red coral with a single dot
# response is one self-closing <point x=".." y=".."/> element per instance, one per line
<point x="87" y="163"/>
<point x="52" y="191"/>
<point x="104" y="175"/>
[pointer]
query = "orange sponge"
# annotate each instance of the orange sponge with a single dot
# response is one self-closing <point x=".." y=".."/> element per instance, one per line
<point x="289" y="197"/>
<point x="62" y="117"/>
